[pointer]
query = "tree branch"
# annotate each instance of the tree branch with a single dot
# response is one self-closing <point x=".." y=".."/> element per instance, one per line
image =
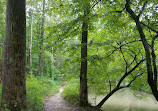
<point x="134" y="59"/>
<point x="118" y="85"/>
<point x="143" y="8"/>
<point x="154" y="60"/>
<point x="149" y="27"/>
<point x="119" y="11"/>
<point x="130" y="11"/>
<point x="127" y="73"/>
<point x="116" y="48"/>
<point x="123" y="56"/>
<point x="153" y="40"/>
<point x="134" y="78"/>
<point x="95" y="4"/>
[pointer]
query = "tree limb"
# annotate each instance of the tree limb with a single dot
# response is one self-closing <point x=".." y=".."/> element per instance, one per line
<point x="154" y="60"/>
<point x="118" y="85"/>
<point x="116" y="48"/>
<point x="130" y="11"/>
<point x="126" y="74"/>
<point x="134" y="78"/>
<point x="119" y="11"/>
<point x="95" y="4"/>
<point x="143" y="8"/>
<point x="134" y="59"/>
<point x="123" y="56"/>
<point x="149" y="27"/>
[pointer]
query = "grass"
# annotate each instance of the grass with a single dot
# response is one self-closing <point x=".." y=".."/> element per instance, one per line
<point x="123" y="108"/>
<point x="36" y="90"/>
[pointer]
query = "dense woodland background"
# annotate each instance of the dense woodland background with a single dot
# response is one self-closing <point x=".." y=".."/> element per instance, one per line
<point x="121" y="40"/>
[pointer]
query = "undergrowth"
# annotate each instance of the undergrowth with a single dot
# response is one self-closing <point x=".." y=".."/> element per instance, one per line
<point x="36" y="90"/>
<point x="71" y="91"/>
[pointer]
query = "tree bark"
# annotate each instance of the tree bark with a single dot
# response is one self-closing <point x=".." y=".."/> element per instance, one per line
<point x="13" y="74"/>
<point x="41" y="42"/>
<point x="83" y="71"/>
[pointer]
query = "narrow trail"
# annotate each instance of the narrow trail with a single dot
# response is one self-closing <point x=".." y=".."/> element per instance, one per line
<point x="57" y="103"/>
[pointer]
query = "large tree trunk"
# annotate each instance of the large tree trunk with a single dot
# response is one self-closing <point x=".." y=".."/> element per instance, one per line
<point x="41" y="42"/>
<point x="83" y="71"/>
<point x="13" y="75"/>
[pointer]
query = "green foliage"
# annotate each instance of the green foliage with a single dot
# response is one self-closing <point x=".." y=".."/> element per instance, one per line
<point x="108" y="30"/>
<point x="2" y="30"/>
<point x="48" y="67"/>
<point x="2" y="20"/>
<point x="62" y="43"/>
<point x="37" y="88"/>
<point x="140" y="85"/>
<point x="71" y="91"/>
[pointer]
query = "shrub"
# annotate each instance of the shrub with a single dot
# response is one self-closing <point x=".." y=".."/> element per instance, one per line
<point x="71" y="91"/>
<point x="36" y="89"/>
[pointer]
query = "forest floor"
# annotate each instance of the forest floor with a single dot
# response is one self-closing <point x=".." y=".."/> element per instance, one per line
<point x="57" y="103"/>
<point x="128" y="102"/>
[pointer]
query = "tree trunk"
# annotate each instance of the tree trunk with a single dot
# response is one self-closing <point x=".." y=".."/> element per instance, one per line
<point x="41" y="42"/>
<point x="13" y="74"/>
<point x="83" y="71"/>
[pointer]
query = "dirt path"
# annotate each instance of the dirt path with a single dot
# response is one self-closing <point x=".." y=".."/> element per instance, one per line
<point x="57" y="103"/>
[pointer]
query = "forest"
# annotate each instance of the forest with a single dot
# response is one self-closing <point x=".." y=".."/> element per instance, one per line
<point x="97" y="55"/>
